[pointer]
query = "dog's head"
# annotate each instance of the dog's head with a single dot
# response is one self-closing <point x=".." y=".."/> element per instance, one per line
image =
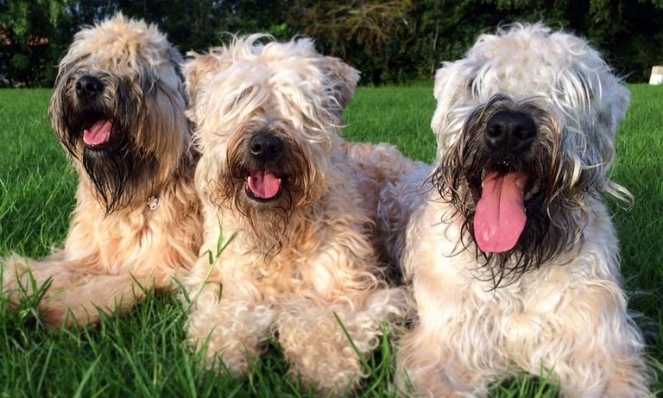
<point x="118" y="107"/>
<point x="525" y="125"/>
<point x="267" y="118"/>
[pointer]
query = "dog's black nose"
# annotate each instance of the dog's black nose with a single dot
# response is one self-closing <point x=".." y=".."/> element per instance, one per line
<point x="265" y="147"/>
<point x="88" y="86"/>
<point x="510" y="132"/>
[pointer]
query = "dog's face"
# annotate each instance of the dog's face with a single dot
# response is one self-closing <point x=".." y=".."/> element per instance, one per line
<point x="267" y="118"/>
<point x="525" y="125"/>
<point x="118" y="108"/>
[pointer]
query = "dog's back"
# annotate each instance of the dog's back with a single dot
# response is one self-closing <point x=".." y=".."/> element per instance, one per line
<point x="398" y="200"/>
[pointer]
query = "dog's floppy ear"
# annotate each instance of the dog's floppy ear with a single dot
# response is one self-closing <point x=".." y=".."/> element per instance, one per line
<point x="196" y="68"/>
<point x="450" y="83"/>
<point x="343" y="81"/>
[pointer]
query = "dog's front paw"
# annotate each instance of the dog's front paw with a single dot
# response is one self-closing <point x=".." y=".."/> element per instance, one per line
<point x="319" y="351"/>
<point x="229" y="353"/>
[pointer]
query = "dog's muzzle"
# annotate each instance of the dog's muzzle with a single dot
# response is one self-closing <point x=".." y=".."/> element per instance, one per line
<point x="510" y="134"/>
<point x="264" y="183"/>
<point x="94" y="120"/>
<point x="265" y="147"/>
<point x="500" y="217"/>
<point x="88" y="88"/>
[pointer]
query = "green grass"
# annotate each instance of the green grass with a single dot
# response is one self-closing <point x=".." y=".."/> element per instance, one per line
<point x="144" y="354"/>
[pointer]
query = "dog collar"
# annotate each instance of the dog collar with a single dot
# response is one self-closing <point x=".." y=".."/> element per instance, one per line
<point x="153" y="202"/>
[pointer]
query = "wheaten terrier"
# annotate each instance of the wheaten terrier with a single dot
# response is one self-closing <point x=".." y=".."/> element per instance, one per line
<point x="509" y="246"/>
<point x="293" y="204"/>
<point x="119" y="109"/>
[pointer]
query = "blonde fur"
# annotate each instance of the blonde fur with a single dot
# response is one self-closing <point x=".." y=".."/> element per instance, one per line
<point x="566" y="318"/>
<point x="113" y="254"/>
<point x="287" y="275"/>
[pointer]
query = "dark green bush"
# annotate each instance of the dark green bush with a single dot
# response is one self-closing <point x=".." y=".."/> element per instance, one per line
<point x="388" y="40"/>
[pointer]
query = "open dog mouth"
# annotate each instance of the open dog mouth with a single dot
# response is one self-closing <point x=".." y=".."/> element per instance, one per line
<point x="263" y="185"/>
<point x="98" y="134"/>
<point x="97" y="130"/>
<point x="500" y="215"/>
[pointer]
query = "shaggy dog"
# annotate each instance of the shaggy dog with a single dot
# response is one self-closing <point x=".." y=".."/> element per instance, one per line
<point x="119" y="110"/>
<point x="510" y="249"/>
<point x="287" y="206"/>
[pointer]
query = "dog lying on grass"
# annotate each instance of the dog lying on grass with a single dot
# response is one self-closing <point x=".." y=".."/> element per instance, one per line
<point x="298" y="204"/>
<point x="510" y="249"/>
<point x="119" y="110"/>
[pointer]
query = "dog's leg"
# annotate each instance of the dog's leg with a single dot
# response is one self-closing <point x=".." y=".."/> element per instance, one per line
<point x="593" y="348"/>
<point x="76" y="289"/>
<point x="445" y="354"/>
<point x="315" y="345"/>
<point x="325" y="344"/>
<point x="616" y="369"/>
<point x="629" y="376"/>
<point x="227" y="329"/>
<point x="23" y="276"/>
<point x="82" y="304"/>
<point x="427" y="367"/>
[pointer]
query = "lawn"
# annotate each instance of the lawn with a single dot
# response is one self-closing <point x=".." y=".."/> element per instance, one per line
<point x="143" y="353"/>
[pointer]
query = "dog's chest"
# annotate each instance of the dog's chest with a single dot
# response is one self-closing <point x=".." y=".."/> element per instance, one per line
<point x="274" y="276"/>
<point x="456" y="270"/>
<point x="518" y="314"/>
<point x="147" y="239"/>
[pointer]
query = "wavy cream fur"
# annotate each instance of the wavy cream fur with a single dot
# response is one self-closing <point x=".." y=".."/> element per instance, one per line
<point x="568" y="316"/>
<point x="288" y="280"/>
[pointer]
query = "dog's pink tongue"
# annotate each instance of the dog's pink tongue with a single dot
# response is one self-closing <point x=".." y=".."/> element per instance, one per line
<point x="98" y="134"/>
<point x="500" y="217"/>
<point x="264" y="184"/>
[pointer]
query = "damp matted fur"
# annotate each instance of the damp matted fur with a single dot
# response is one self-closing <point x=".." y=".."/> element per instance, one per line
<point x="137" y="221"/>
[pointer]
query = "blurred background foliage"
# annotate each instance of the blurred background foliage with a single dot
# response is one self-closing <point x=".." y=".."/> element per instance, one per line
<point x="390" y="41"/>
